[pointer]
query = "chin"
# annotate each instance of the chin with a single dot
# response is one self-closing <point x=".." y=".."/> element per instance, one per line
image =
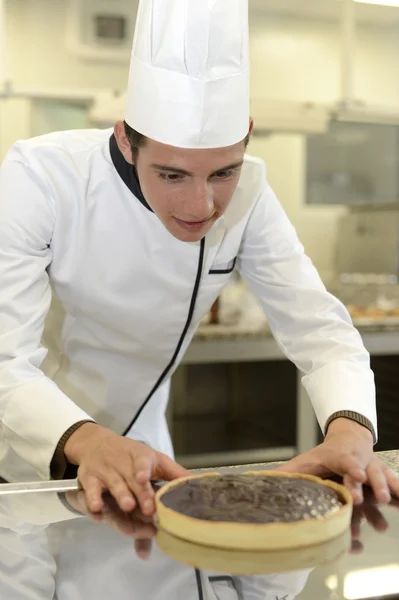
<point x="186" y="236"/>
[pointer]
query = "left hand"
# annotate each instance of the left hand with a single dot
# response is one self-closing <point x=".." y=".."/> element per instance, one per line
<point x="348" y="451"/>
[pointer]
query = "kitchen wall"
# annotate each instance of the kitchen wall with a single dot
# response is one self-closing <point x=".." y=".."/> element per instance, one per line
<point x="292" y="58"/>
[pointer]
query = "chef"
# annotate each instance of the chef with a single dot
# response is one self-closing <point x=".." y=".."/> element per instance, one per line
<point x="115" y="244"/>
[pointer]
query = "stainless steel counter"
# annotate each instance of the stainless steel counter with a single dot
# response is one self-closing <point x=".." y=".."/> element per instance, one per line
<point x="360" y="565"/>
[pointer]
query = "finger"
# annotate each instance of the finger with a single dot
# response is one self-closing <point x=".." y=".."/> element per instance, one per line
<point x="357" y="548"/>
<point x="393" y="483"/>
<point x="141" y="483"/>
<point x="143" y="548"/>
<point x="120" y="523"/>
<point x="93" y="493"/>
<point x="95" y="517"/>
<point x="348" y="464"/>
<point x="113" y="521"/>
<point x="377" y="477"/>
<point x="168" y="469"/>
<point x="355" y="488"/>
<point x="305" y="463"/>
<point x="143" y="531"/>
<point x="144" y="466"/>
<point x="121" y="492"/>
<point x="375" y="517"/>
<point x="299" y="464"/>
<point x="357" y="520"/>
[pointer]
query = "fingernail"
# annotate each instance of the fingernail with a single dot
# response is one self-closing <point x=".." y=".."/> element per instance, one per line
<point x="127" y="503"/>
<point x="148" y="506"/>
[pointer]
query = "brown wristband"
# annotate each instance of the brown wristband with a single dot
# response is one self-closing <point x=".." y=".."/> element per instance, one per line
<point x="59" y="464"/>
<point x="352" y="416"/>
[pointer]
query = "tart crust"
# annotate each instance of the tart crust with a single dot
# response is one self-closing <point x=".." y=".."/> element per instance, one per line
<point x="252" y="562"/>
<point x="250" y="536"/>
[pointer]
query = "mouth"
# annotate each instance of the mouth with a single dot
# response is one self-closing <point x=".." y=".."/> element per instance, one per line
<point x="193" y="225"/>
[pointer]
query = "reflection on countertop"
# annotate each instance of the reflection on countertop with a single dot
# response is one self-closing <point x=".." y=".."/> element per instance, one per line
<point x="365" y="566"/>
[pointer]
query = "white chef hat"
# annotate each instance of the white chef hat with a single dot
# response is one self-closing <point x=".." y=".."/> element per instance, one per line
<point x="189" y="83"/>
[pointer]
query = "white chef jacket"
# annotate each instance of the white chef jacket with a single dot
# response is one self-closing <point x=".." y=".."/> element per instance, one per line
<point x="99" y="302"/>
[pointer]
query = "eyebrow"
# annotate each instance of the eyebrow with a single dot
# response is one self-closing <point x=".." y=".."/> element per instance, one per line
<point x="175" y="170"/>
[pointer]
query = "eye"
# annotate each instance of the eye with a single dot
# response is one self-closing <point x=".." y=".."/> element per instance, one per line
<point x="171" y="177"/>
<point x="222" y="175"/>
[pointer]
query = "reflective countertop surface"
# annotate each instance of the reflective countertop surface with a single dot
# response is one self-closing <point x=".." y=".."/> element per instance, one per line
<point x="103" y="558"/>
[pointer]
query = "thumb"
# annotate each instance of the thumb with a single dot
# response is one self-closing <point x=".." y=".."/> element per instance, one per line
<point x="168" y="469"/>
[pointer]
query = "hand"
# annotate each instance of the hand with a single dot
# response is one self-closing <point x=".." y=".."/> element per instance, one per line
<point x="348" y="451"/>
<point x="124" y="467"/>
<point x="136" y="525"/>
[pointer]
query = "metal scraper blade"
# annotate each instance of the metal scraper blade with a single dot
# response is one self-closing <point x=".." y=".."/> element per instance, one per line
<point x="40" y="487"/>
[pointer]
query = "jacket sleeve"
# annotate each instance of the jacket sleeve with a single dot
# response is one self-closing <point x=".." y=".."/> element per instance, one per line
<point x="34" y="413"/>
<point x="313" y="328"/>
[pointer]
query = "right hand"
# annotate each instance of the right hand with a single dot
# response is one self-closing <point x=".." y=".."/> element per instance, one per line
<point x="125" y="468"/>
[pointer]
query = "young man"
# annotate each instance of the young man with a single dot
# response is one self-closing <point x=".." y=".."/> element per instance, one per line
<point x="116" y="245"/>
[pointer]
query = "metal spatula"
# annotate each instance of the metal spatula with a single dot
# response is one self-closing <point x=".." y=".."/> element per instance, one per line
<point x="37" y="487"/>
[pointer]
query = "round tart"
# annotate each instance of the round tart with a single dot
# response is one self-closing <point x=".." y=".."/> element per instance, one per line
<point x="262" y="510"/>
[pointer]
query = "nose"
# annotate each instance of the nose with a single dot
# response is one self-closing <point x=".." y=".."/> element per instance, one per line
<point x="201" y="205"/>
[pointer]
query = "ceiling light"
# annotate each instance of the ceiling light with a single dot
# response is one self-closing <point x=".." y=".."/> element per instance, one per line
<point x="394" y="3"/>
<point x="368" y="583"/>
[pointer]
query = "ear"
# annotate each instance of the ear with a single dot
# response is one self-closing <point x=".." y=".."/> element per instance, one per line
<point x="123" y="142"/>
<point x="251" y="125"/>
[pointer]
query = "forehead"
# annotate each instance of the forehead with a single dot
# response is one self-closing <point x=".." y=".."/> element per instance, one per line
<point x="189" y="159"/>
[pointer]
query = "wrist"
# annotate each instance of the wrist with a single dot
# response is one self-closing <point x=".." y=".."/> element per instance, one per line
<point x="79" y="441"/>
<point x="344" y="425"/>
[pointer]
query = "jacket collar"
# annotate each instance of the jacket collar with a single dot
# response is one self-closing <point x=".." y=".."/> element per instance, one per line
<point x="127" y="172"/>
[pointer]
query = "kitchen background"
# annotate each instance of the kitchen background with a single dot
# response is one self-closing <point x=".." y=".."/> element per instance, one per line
<point x="325" y="93"/>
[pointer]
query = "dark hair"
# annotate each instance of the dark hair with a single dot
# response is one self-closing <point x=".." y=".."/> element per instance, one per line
<point x="137" y="140"/>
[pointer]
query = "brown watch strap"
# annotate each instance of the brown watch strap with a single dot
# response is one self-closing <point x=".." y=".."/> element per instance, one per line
<point x="59" y="464"/>
<point x="352" y="416"/>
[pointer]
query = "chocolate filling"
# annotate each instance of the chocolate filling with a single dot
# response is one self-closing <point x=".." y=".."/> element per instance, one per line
<point x="253" y="499"/>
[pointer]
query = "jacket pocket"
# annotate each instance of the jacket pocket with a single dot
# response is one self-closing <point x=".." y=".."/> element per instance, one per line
<point x="223" y="268"/>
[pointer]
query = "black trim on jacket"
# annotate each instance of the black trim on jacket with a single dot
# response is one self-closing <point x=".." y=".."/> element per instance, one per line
<point x="224" y="271"/>
<point x="127" y="172"/>
<point x="181" y="340"/>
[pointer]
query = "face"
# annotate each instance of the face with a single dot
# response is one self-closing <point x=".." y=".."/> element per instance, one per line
<point x="187" y="189"/>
